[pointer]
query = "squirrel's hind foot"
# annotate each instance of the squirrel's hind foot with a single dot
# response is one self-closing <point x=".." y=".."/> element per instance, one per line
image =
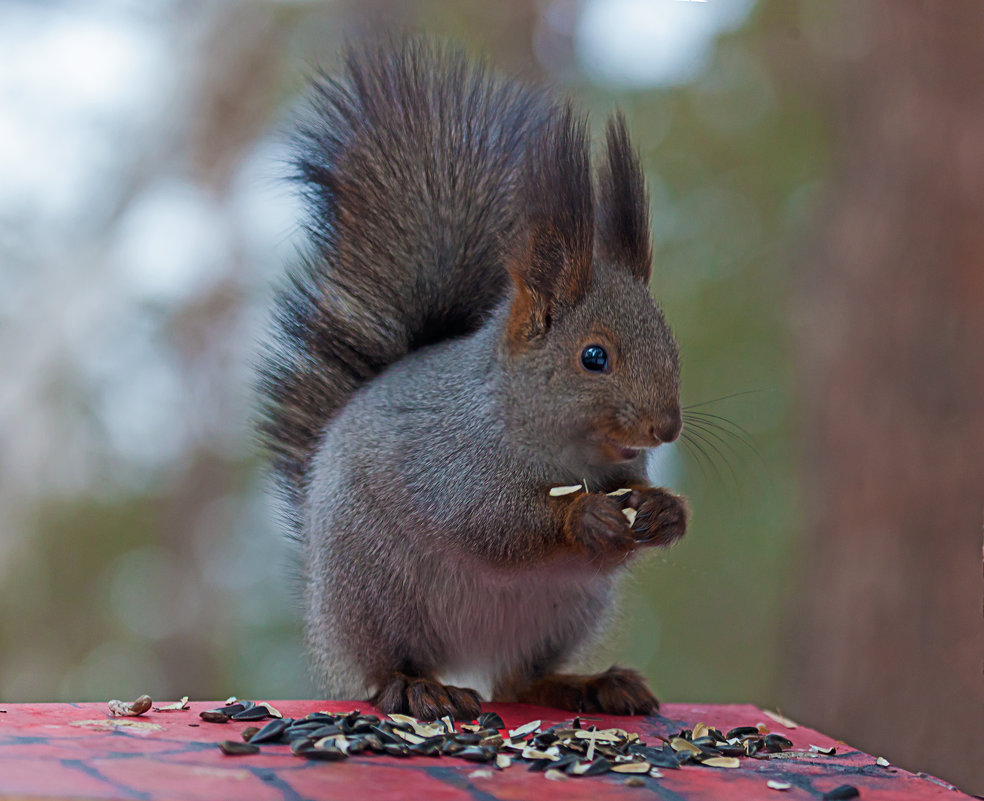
<point x="617" y="691"/>
<point x="425" y="699"/>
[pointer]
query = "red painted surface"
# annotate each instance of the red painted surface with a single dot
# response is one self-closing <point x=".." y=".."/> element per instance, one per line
<point x="77" y="751"/>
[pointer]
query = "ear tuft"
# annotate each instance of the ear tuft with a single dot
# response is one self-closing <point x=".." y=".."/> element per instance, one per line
<point x="552" y="264"/>
<point x="623" y="207"/>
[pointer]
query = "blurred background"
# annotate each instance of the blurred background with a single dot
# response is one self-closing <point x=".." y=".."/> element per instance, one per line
<point x="816" y="171"/>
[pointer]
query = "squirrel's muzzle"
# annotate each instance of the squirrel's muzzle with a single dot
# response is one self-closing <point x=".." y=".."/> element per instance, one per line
<point x="667" y="425"/>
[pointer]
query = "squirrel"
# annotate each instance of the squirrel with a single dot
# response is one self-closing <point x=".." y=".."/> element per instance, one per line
<point x="470" y="326"/>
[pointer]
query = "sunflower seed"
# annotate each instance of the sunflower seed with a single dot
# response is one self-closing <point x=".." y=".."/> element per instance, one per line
<point x="557" y="491"/>
<point x="658" y="757"/>
<point x="478" y="754"/>
<point x="631" y="767"/>
<point x="774" y="743"/>
<point x="480" y="774"/>
<point x="842" y="793"/>
<point x="410" y="737"/>
<point x="320" y="731"/>
<point x="630" y="514"/>
<point x="271" y="732"/>
<point x="175" y="707"/>
<point x="545" y="739"/>
<point x="772" y="784"/>
<point x="606" y="736"/>
<point x="299" y="747"/>
<point x="335" y="741"/>
<point x="235" y="748"/>
<point x="825" y="750"/>
<point x="594" y="768"/>
<point x="524" y="730"/>
<point x="359" y="746"/>
<point x="705" y="744"/>
<point x="680" y="744"/>
<point x="534" y="753"/>
<point x="248" y="733"/>
<point x="323" y="754"/>
<point x="131" y="709"/>
<point x="323" y="717"/>
<point x="429" y="731"/>
<point x="255" y="712"/>
<point x="429" y="747"/>
<point x="722" y="762"/>
<point x="490" y="720"/>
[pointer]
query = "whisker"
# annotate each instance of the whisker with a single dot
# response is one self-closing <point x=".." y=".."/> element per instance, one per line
<point x="724" y="398"/>
<point x="721" y="425"/>
<point x="710" y="461"/>
<point x="713" y="446"/>
<point x="688" y="447"/>
<point x="723" y="421"/>
<point x="716" y="433"/>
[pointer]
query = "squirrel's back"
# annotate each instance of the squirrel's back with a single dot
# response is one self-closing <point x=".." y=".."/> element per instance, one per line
<point x="407" y="164"/>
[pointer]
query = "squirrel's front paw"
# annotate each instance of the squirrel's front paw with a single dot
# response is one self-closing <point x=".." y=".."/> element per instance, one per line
<point x="661" y="516"/>
<point x="595" y="523"/>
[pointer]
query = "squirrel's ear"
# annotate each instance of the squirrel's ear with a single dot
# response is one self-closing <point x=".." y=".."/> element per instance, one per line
<point x="551" y="264"/>
<point x="623" y="234"/>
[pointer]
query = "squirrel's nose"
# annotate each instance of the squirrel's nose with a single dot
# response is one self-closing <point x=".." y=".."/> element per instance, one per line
<point x="667" y="426"/>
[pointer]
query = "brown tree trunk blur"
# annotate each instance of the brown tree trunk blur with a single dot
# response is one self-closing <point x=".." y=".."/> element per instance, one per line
<point x="888" y="642"/>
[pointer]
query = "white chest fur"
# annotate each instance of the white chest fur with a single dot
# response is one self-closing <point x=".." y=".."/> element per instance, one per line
<point x="492" y="622"/>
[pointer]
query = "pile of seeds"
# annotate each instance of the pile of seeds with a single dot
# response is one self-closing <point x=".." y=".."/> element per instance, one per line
<point x="566" y="749"/>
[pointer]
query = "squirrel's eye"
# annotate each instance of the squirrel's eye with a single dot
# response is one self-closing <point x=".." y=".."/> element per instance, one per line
<point x="594" y="358"/>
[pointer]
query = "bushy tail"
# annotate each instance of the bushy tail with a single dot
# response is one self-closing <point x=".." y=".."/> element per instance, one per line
<point x="408" y="163"/>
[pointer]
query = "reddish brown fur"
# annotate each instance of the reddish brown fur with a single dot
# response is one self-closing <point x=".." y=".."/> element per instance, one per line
<point x="425" y="698"/>
<point x="593" y="524"/>
<point x="617" y="691"/>
<point x="661" y="515"/>
<point x="552" y="265"/>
